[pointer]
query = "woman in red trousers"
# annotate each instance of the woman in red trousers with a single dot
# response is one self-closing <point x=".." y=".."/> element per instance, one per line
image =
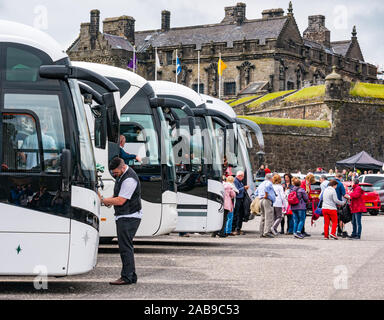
<point x="330" y="202"/>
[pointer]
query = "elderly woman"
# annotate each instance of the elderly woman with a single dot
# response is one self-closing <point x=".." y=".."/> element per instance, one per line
<point x="280" y="203"/>
<point x="306" y="185"/>
<point x="357" y="209"/>
<point x="299" y="209"/>
<point x="330" y="202"/>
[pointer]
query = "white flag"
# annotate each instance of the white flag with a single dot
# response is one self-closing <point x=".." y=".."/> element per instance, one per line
<point x="158" y="66"/>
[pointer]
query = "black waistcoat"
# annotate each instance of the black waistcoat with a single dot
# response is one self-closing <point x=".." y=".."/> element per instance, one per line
<point x="131" y="205"/>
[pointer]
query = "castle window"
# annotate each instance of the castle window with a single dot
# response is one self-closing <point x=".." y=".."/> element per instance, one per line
<point x="230" y="88"/>
<point x="201" y="87"/>
<point x="169" y="55"/>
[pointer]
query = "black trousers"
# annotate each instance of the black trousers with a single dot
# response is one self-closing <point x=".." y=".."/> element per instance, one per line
<point x="222" y="231"/>
<point x="238" y="215"/>
<point x="126" y="230"/>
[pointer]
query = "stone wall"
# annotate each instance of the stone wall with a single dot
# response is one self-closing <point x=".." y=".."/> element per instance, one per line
<point x="355" y="126"/>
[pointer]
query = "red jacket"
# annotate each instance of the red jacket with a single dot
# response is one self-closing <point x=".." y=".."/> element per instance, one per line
<point x="357" y="201"/>
<point x="304" y="186"/>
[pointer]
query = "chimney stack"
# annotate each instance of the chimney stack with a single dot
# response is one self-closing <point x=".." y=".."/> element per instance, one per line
<point x="94" y="27"/>
<point x="123" y="26"/>
<point x="272" y="13"/>
<point x="165" y="20"/>
<point x="235" y="14"/>
<point x="317" y="31"/>
<point x="240" y="13"/>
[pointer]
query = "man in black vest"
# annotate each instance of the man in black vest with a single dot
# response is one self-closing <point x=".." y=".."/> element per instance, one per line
<point x="127" y="203"/>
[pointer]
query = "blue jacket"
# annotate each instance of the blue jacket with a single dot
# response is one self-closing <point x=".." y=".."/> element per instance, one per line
<point x="240" y="186"/>
<point x="126" y="156"/>
<point x="340" y="190"/>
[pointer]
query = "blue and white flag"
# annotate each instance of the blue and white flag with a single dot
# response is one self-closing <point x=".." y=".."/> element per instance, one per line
<point x="178" y="66"/>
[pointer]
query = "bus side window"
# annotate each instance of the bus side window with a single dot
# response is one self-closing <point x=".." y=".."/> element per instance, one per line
<point x="20" y="150"/>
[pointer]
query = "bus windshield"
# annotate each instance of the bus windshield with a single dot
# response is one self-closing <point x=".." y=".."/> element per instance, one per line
<point x="140" y="137"/>
<point x="167" y="156"/>
<point x="48" y="110"/>
<point x="88" y="164"/>
<point x="216" y="159"/>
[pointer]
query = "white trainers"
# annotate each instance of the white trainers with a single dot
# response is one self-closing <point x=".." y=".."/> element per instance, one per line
<point x="333" y="236"/>
<point x="274" y="232"/>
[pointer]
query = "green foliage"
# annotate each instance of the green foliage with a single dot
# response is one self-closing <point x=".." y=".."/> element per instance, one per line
<point x="243" y="100"/>
<point x="368" y="90"/>
<point x="307" y="94"/>
<point x="289" y="122"/>
<point x="268" y="97"/>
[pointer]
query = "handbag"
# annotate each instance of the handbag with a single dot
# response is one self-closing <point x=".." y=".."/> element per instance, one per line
<point x="319" y="211"/>
<point x="345" y="213"/>
<point x="255" y="206"/>
<point x="247" y="208"/>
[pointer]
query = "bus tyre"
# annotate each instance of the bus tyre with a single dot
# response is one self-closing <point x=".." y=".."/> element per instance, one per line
<point x="374" y="212"/>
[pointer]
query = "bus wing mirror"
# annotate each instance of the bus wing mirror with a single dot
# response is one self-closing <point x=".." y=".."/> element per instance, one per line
<point x="191" y="125"/>
<point x="113" y="122"/>
<point x="170" y="103"/>
<point x="101" y="127"/>
<point x="60" y="72"/>
<point x="66" y="168"/>
<point x="250" y="141"/>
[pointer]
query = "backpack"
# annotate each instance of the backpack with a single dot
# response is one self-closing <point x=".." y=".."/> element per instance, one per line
<point x="247" y="208"/>
<point x="255" y="206"/>
<point x="293" y="199"/>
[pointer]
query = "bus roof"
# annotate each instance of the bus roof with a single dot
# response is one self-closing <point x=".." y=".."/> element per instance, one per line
<point x="218" y="105"/>
<point x="175" y="89"/>
<point x="113" y="72"/>
<point x="23" y="34"/>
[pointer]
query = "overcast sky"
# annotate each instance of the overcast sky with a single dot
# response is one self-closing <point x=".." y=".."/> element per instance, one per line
<point x="61" y="19"/>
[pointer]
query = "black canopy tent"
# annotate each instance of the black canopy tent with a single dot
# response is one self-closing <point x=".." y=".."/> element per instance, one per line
<point x="362" y="161"/>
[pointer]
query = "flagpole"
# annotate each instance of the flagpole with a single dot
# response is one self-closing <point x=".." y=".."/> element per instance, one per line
<point x="198" y="71"/>
<point x="156" y="64"/>
<point x="176" y="65"/>
<point x="220" y="75"/>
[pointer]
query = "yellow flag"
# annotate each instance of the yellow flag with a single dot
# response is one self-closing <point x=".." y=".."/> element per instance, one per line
<point x="221" y="67"/>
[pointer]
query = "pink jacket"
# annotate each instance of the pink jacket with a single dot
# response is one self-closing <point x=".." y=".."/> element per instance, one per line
<point x="229" y="194"/>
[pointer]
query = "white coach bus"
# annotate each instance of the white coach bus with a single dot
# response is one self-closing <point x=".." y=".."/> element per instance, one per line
<point x="235" y="139"/>
<point x="200" y="193"/>
<point x="143" y="125"/>
<point x="49" y="208"/>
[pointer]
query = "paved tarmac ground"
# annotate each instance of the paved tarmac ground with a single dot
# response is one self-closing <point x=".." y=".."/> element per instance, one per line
<point x="241" y="267"/>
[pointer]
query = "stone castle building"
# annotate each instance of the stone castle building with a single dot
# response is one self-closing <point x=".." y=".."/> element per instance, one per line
<point x="314" y="131"/>
<point x="266" y="54"/>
